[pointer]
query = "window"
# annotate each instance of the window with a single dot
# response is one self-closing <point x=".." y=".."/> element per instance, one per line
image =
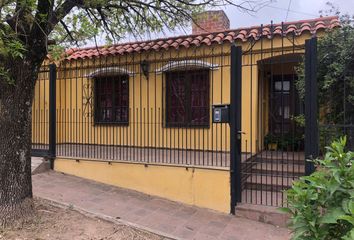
<point x="112" y="99"/>
<point x="282" y="86"/>
<point x="187" y="98"/>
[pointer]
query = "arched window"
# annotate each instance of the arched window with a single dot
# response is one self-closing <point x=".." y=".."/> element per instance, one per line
<point x="111" y="96"/>
<point x="188" y="93"/>
<point x="187" y="98"/>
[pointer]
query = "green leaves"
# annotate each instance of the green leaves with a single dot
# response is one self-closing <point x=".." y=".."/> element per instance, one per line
<point x="5" y="76"/>
<point x="322" y="204"/>
<point x="335" y="78"/>
<point x="75" y="22"/>
<point x="15" y="49"/>
<point x="332" y="215"/>
<point x="349" y="236"/>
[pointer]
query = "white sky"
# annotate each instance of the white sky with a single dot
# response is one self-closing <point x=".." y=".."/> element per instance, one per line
<point x="276" y="11"/>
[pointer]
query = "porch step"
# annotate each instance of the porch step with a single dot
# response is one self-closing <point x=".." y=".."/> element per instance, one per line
<point x="275" y="160"/>
<point x="276" y="169"/>
<point x="268" y="183"/>
<point x="265" y="214"/>
<point x="280" y="157"/>
<point x="265" y="198"/>
<point x="272" y="171"/>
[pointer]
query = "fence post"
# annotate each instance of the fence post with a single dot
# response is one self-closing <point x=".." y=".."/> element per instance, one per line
<point x="52" y="113"/>
<point x="235" y="126"/>
<point x="311" y="105"/>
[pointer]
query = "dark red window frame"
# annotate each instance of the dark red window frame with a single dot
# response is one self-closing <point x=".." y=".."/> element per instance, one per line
<point x="187" y="98"/>
<point x="112" y="99"/>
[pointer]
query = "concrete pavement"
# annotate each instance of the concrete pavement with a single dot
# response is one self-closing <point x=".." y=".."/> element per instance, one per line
<point x="151" y="213"/>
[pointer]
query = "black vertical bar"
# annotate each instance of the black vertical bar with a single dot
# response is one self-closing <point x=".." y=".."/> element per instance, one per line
<point x="311" y="105"/>
<point x="52" y="113"/>
<point x="235" y="126"/>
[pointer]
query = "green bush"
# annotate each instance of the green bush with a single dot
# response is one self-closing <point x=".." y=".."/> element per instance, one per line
<point x="322" y="204"/>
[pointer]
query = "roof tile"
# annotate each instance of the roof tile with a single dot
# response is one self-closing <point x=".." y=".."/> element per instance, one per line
<point x="243" y="34"/>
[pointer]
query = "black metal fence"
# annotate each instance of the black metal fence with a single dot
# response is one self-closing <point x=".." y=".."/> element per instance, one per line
<point x="157" y="107"/>
<point x="150" y="108"/>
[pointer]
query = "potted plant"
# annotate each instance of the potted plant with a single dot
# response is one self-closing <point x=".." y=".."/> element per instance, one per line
<point x="270" y="142"/>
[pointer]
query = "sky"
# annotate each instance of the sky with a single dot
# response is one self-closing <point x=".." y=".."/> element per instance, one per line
<point x="276" y="10"/>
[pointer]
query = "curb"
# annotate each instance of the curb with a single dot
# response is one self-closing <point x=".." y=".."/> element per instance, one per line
<point x="87" y="213"/>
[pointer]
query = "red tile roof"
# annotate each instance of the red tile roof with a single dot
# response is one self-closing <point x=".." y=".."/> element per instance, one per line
<point x="242" y="34"/>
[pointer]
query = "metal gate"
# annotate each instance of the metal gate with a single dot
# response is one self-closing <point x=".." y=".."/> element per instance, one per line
<point x="269" y="140"/>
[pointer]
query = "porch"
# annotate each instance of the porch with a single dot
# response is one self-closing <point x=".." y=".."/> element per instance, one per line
<point x="184" y="157"/>
<point x="265" y="175"/>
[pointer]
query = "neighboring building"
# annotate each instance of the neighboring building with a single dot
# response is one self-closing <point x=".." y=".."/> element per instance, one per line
<point x="146" y="109"/>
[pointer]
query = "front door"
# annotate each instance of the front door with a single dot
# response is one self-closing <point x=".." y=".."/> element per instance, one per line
<point x="283" y="104"/>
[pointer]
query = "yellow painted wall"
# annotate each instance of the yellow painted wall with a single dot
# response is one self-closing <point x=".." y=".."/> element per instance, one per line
<point x="202" y="187"/>
<point x="40" y="110"/>
<point x="75" y="117"/>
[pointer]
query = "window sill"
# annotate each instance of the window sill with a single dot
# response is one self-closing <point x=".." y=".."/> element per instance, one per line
<point x="124" y="124"/>
<point x="189" y="126"/>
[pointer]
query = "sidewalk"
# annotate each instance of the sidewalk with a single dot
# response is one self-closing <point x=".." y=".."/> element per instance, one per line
<point x="35" y="162"/>
<point x="172" y="219"/>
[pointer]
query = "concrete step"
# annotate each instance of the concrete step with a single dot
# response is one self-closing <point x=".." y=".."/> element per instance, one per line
<point x="275" y="160"/>
<point x="286" y="155"/>
<point x="279" y="157"/>
<point x="277" y="169"/>
<point x="265" y="198"/>
<point x="268" y="183"/>
<point x="261" y="213"/>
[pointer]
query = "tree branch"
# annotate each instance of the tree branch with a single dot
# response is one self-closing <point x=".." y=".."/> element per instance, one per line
<point x="61" y="12"/>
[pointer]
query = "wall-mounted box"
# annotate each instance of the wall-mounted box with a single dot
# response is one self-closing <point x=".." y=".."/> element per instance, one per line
<point x="221" y="113"/>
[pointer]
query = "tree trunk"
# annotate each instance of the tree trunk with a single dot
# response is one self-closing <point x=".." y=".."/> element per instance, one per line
<point x="15" y="142"/>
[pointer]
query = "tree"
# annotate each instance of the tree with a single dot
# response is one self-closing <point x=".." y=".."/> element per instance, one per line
<point x="25" y="31"/>
<point x="335" y="78"/>
<point x="335" y="73"/>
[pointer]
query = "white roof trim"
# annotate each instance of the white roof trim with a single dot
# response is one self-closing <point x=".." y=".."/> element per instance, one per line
<point x="107" y="71"/>
<point x="174" y="65"/>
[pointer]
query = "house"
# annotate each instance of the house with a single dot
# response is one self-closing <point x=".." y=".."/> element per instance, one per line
<point x="152" y="116"/>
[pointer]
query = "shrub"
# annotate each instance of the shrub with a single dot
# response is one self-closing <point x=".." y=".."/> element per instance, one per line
<point x="322" y="204"/>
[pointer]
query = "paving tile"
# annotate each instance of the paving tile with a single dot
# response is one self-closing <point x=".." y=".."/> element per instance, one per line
<point x="184" y="232"/>
<point x="153" y="219"/>
<point x="183" y="221"/>
<point x="213" y="228"/>
<point x="232" y="236"/>
<point x="130" y="217"/>
<point x="143" y="212"/>
<point x="202" y="236"/>
<point x="196" y="224"/>
<point x="185" y="212"/>
<point x="165" y="227"/>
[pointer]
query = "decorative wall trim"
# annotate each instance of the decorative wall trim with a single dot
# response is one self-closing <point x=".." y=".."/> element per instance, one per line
<point x="194" y="64"/>
<point x="107" y="71"/>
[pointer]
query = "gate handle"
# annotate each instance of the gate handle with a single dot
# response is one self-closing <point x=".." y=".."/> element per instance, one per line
<point x="241" y="132"/>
